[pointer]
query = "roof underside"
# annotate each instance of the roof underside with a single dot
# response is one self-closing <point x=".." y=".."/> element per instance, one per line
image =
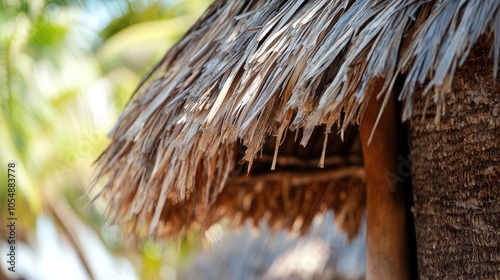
<point x="250" y="70"/>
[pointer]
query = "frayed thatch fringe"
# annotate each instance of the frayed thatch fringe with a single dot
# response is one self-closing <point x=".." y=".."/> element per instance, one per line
<point x="253" y="69"/>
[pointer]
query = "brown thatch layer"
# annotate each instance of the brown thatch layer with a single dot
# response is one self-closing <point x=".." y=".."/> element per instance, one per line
<point x="284" y="200"/>
<point x="249" y="70"/>
<point x="291" y="200"/>
<point x="288" y="197"/>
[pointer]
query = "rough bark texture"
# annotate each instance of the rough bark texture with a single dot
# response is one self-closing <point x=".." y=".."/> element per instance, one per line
<point x="456" y="176"/>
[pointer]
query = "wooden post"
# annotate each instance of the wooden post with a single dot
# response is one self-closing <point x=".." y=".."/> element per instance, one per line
<point x="386" y="237"/>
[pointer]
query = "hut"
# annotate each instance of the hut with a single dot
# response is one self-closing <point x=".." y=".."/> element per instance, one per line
<point x="282" y="109"/>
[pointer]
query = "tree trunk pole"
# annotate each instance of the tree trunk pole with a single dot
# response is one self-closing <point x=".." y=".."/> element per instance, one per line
<point x="386" y="236"/>
<point x="456" y="175"/>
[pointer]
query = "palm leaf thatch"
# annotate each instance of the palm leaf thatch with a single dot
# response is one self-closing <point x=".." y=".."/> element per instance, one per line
<point x="249" y="72"/>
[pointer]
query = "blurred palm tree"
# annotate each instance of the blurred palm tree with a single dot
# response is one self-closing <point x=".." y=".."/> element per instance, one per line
<point x="67" y="67"/>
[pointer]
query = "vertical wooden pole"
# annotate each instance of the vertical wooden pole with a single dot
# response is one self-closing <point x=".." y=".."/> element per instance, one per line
<point x="387" y="248"/>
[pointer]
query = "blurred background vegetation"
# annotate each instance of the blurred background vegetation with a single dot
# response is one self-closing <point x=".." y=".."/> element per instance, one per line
<point x="67" y="68"/>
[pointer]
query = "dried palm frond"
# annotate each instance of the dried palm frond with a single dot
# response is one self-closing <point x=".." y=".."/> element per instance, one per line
<point x="251" y="70"/>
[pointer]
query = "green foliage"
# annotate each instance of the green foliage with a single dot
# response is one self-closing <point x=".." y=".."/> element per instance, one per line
<point x="62" y="85"/>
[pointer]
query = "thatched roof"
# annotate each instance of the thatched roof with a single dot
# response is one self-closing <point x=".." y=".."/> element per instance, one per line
<point x="251" y="71"/>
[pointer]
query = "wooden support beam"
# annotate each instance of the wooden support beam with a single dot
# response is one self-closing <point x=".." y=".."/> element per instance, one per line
<point x="386" y="236"/>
